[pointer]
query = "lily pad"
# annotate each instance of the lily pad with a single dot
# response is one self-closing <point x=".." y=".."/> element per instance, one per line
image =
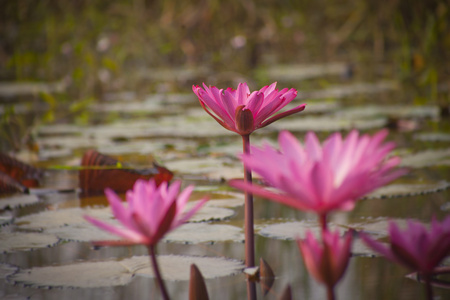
<point x="210" y="213"/>
<point x="60" y="218"/>
<point x="189" y="233"/>
<point x="427" y="158"/>
<point x="18" y="241"/>
<point x="73" y="217"/>
<point x="121" y="272"/>
<point x="433" y="137"/>
<point x="327" y="123"/>
<point x="82" y="233"/>
<point x="6" y="270"/>
<point x="18" y="201"/>
<point x="401" y="190"/>
<point x="378" y="226"/>
<point x="348" y="90"/>
<point x="213" y="168"/>
<point x="293" y="230"/>
<point x="306" y="71"/>
<point x="194" y="233"/>
<point x="399" y="111"/>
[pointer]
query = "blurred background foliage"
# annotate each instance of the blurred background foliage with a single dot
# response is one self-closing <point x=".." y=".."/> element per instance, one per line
<point x="97" y="46"/>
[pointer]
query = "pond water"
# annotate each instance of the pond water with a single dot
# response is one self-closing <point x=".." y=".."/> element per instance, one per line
<point x="46" y="253"/>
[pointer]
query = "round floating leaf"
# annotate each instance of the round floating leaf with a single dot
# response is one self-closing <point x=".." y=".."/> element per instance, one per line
<point x="378" y="227"/>
<point x="213" y="168"/>
<point x="210" y="213"/>
<point x="121" y="272"/>
<point x="17" y="241"/>
<point x="82" y="233"/>
<point x="6" y="217"/>
<point x="193" y="233"/>
<point x="427" y="158"/>
<point x="327" y="123"/>
<point x="293" y="230"/>
<point x="433" y="137"/>
<point x="401" y="190"/>
<point x="18" y="201"/>
<point x="397" y="111"/>
<point x="6" y="270"/>
<point x="64" y="217"/>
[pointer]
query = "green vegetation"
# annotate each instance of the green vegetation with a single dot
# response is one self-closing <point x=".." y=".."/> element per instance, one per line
<point x="101" y="45"/>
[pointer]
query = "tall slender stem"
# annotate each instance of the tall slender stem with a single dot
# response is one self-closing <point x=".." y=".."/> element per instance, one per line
<point x="152" y="252"/>
<point x="249" y="231"/>
<point x="330" y="293"/>
<point x="428" y="287"/>
<point x="323" y="221"/>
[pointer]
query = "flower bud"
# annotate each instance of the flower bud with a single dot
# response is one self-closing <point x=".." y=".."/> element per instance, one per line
<point x="244" y="120"/>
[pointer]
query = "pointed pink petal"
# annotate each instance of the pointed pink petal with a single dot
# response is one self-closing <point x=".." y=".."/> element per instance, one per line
<point x="282" y="115"/>
<point x="122" y="232"/>
<point x="262" y="192"/>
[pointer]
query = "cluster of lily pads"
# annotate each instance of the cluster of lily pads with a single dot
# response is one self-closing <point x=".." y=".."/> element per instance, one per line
<point x="310" y="176"/>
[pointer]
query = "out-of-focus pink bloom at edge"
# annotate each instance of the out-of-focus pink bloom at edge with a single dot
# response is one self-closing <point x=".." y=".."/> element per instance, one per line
<point x="152" y="211"/>
<point x="326" y="261"/>
<point x="415" y="247"/>
<point x="244" y="112"/>
<point x="322" y="178"/>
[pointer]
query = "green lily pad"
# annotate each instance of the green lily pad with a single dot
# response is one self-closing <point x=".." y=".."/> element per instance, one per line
<point x="121" y="272"/>
<point x="18" y="201"/>
<point x="60" y="218"/>
<point x="294" y="230"/>
<point x="6" y="270"/>
<point x="397" y="111"/>
<point x="327" y="123"/>
<point x="194" y="233"/>
<point x="19" y="241"/>
<point x="82" y="233"/>
<point x="189" y="233"/>
<point x="305" y="71"/>
<point x="401" y="190"/>
<point x="377" y="226"/>
<point x="213" y="168"/>
<point x="73" y="217"/>
<point x="342" y="91"/>
<point x="433" y="137"/>
<point x="427" y="158"/>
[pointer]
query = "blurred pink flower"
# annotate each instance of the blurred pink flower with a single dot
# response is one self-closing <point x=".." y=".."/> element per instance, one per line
<point x="416" y="247"/>
<point x="151" y="213"/>
<point x="244" y="112"/>
<point x="326" y="261"/>
<point x="322" y="178"/>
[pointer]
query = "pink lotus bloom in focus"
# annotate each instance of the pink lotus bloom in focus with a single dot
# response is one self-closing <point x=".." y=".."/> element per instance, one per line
<point x="416" y="247"/>
<point x="152" y="211"/>
<point x="326" y="261"/>
<point x="322" y="178"/>
<point x="242" y="111"/>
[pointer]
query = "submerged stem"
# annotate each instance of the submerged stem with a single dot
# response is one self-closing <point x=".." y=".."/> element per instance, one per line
<point x="152" y="252"/>
<point x="249" y="231"/>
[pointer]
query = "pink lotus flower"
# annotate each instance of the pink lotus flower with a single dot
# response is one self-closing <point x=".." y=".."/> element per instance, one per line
<point x="322" y="178"/>
<point x="326" y="261"/>
<point x="151" y="213"/>
<point x="416" y="247"/>
<point x="244" y="112"/>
